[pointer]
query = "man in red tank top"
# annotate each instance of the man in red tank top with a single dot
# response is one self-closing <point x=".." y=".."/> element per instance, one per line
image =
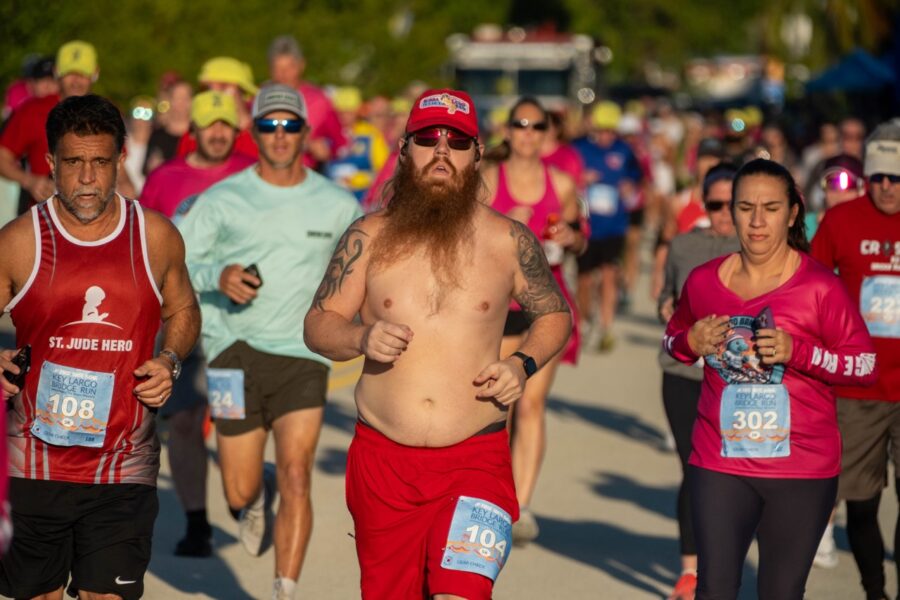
<point x="89" y="281"/>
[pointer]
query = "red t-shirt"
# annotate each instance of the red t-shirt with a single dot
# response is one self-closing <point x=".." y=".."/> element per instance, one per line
<point x="830" y="346"/>
<point x="863" y="244"/>
<point x="25" y="134"/>
<point x="174" y="181"/>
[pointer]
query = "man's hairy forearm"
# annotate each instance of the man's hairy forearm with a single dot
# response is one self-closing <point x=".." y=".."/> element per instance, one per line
<point x="181" y="329"/>
<point x="331" y="335"/>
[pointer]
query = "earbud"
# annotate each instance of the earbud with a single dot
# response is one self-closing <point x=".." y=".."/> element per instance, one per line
<point x="477" y="153"/>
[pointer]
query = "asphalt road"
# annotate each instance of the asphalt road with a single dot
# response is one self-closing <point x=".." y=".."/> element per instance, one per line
<point x="605" y="501"/>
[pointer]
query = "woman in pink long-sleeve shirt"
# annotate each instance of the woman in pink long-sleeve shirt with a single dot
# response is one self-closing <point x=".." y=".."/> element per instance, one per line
<point x="776" y="331"/>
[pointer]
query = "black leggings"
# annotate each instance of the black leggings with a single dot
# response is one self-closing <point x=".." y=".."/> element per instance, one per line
<point x="866" y="542"/>
<point x="788" y="517"/>
<point x="680" y="397"/>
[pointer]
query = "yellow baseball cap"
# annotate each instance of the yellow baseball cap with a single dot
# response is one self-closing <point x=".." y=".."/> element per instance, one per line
<point x="209" y="107"/>
<point x="76" y="57"/>
<point x="224" y="69"/>
<point x="346" y="99"/>
<point x="606" y="115"/>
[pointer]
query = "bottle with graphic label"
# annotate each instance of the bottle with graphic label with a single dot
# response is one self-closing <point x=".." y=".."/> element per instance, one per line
<point x="552" y="249"/>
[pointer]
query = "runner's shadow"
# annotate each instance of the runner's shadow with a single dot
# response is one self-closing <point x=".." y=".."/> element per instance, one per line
<point x="639" y="339"/>
<point x="340" y="417"/>
<point x="190" y="575"/>
<point x="659" y="500"/>
<point x="624" y="423"/>
<point x="332" y="461"/>
<point x="644" y="562"/>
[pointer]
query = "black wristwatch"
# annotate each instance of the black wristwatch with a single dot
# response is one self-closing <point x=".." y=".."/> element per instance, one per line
<point x="176" y="362"/>
<point x="528" y="363"/>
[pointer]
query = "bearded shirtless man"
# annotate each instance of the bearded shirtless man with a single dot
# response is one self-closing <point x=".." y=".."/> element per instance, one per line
<point x="429" y="481"/>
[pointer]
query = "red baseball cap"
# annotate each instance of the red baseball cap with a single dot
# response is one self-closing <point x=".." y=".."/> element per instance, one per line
<point x="446" y="108"/>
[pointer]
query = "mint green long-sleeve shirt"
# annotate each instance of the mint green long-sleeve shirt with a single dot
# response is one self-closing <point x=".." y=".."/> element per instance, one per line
<point x="290" y="234"/>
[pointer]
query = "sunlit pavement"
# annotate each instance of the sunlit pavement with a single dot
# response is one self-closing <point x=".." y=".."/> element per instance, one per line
<point x="605" y="501"/>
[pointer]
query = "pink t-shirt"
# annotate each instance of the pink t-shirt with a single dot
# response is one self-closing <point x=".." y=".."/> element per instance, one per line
<point x="830" y="346"/>
<point x="174" y="181"/>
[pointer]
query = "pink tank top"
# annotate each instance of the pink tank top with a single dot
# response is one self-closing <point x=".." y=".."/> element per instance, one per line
<point x="548" y="204"/>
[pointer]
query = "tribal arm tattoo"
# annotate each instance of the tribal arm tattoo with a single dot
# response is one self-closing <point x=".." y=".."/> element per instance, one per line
<point x="541" y="294"/>
<point x="349" y="249"/>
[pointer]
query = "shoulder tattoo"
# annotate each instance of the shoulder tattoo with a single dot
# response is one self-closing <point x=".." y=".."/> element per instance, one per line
<point x="541" y="294"/>
<point x="348" y="250"/>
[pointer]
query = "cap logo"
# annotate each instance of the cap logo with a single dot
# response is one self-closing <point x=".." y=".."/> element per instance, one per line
<point x="76" y="55"/>
<point x="883" y="148"/>
<point x="451" y="103"/>
<point x="216" y="101"/>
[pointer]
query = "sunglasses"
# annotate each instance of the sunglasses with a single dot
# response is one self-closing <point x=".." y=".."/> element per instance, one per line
<point x="270" y="125"/>
<point x="429" y="138"/>
<point x="716" y="205"/>
<point x="878" y="178"/>
<point x="840" y="181"/>
<point x="525" y="124"/>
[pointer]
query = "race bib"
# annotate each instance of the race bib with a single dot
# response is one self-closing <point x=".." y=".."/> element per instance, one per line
<point x="72" y="406"/>
<point x="879" y="303"/>
<point x="602" y="199"/>
<point x="479" y="539"/>
<point x="755" y="421"/>
<point x="225" y="390"/>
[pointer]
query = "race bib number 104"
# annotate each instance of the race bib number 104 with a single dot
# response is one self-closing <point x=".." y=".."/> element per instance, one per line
<point x="479" y="539"/>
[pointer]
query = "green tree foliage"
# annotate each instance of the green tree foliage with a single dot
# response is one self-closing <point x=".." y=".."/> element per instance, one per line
<point x="381" y="45"/>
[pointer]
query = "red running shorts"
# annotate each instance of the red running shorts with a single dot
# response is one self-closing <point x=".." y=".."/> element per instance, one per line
<point x="402" y="500"/>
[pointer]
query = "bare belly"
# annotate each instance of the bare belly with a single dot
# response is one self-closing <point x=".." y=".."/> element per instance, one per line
<point x="427" y="397"/>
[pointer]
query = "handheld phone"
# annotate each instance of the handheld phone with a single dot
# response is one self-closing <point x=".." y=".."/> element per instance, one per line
<point x="22" y="359"/>
<point x="253" y="270"/>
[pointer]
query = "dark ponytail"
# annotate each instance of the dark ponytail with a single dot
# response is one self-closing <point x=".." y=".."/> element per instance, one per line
<point x="760" y="166"/>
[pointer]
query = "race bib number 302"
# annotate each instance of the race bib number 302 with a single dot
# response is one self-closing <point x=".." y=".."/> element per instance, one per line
<point x="72" y="406"/>
<point x="225" y="389"/>
<point x="879" y="303"/>
<point x="479" y="539"/>
<point x="755" y="421"/>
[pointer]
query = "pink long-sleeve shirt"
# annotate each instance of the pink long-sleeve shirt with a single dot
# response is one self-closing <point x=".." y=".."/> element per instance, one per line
<point x="831" y="346"/>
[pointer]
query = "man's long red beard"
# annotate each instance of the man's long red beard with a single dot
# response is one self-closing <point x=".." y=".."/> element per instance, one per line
<point x="432" y="216"/>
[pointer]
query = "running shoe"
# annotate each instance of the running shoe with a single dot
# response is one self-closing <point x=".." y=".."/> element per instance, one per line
<point x="607" y="342"/>
<point x="685" y="587"/>
<point x="525" y="529"/>
<point x="826" y="554"/>
<point x="257" y="520"/>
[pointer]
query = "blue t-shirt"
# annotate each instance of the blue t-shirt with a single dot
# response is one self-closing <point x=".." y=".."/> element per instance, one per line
<point x="612" y="165"/>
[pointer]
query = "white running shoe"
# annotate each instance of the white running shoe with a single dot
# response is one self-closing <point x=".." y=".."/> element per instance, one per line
<point x="826" y="554"/>
<point x="257" y="519"/>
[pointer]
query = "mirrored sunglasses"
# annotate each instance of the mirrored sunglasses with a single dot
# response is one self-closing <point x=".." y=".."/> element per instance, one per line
<point x="270" y="125"/>
<point x="429" y="138"/>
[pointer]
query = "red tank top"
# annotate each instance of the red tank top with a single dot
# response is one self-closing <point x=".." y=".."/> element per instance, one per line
<point x="90" y="311"/>
<point x="549" y="202"/>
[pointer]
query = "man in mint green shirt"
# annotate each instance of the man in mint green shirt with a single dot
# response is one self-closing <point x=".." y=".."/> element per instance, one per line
<point x="258" y="244"/>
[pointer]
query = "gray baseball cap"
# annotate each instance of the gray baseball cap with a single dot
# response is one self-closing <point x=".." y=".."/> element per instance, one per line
<point x="275" y="97"/>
